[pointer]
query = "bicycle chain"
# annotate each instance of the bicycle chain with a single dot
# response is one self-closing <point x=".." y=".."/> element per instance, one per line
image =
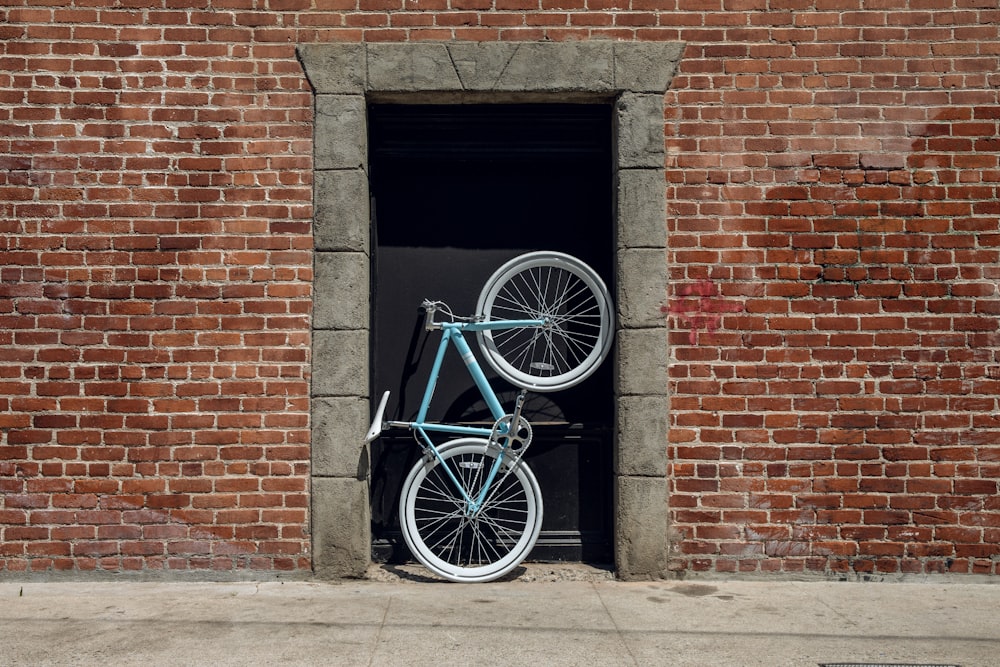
<point x="517" y="439"/>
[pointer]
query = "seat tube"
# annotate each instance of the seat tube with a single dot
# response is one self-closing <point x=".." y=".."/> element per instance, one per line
<point x="478" y="376"/>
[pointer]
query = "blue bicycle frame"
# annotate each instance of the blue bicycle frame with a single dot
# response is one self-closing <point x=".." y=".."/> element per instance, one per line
<point x="452" y="333"/>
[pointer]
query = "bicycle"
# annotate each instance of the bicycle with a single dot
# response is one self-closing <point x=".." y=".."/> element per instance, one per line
<point x="471" y="508"/>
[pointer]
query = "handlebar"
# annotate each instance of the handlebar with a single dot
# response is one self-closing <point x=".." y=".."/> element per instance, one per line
<point x="431" y="307"/>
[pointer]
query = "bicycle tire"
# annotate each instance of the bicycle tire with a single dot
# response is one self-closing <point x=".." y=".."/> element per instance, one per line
<point x="575" y="302"/>
<point x="461" y="548"/>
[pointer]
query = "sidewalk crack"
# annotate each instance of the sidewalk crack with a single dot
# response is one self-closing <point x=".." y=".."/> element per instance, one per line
<point x="618" y="630"/>
<point x="378" y="633"/>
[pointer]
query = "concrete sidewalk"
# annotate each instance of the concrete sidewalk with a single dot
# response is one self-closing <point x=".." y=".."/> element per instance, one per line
<point x="593" y="621"/>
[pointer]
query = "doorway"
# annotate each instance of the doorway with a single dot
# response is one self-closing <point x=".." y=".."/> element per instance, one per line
<point x="456" y="191"/>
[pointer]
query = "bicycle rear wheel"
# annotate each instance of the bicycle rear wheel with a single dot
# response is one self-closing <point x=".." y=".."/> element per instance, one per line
<point x="574" y="302"/>
<point x="465" y="548"/>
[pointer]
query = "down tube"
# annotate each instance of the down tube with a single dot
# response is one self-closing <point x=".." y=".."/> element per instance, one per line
<point x="476" y="371"/>
<point x="477" y="375"/>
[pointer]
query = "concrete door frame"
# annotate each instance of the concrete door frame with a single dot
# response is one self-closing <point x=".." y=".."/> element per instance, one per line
<point x="345" y="78"/>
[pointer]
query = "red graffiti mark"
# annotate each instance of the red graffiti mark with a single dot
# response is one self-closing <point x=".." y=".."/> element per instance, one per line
<point x="699" y="308"/>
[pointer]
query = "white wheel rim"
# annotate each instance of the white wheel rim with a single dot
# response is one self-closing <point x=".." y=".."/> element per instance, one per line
<point x="602" y="319"/>
<point x="449" y="570"/>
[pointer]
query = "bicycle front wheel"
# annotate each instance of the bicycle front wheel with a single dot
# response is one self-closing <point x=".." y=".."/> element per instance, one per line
<point x="450" y="542"/>
<point x="576" y="307"/>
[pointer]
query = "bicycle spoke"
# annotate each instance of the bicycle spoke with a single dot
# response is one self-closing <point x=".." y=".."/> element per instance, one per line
<point x="431" y="521"/>
<point x="506" y="532"/>
<point x="543" y="287"/>
<point x="520" y="353"/>
<point x="559" y="305"/>
<point x="491" y="500"/>
<point x="514" y="294"/>
<point x="473" y="463"/>
<point x="442" y="487"/>
<point x="448" y="539"/>
<point x="554" y="357"/>
<point x="504" y="519"/>
<point x="431" y="527"/>
<point x="485" y="550"/>
<point x="573" y="346"/>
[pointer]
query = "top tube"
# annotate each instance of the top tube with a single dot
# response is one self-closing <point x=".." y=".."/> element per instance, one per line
<point x="492" y="325"/>
<point x="469" y="324"/>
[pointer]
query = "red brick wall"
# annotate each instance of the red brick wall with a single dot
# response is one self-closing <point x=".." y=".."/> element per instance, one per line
<point x="833" y="193"/>
<point x="155" y="256"/>
<point x="832" y="183"/>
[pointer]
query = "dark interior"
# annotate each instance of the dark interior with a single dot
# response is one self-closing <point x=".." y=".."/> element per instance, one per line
<point x="457" y="190"/>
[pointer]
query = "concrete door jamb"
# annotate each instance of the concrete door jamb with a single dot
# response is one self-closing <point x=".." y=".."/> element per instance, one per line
<point x="346" y="77"/>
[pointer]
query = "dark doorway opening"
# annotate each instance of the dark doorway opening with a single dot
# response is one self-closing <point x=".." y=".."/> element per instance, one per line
<point x="457" y="190"/>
